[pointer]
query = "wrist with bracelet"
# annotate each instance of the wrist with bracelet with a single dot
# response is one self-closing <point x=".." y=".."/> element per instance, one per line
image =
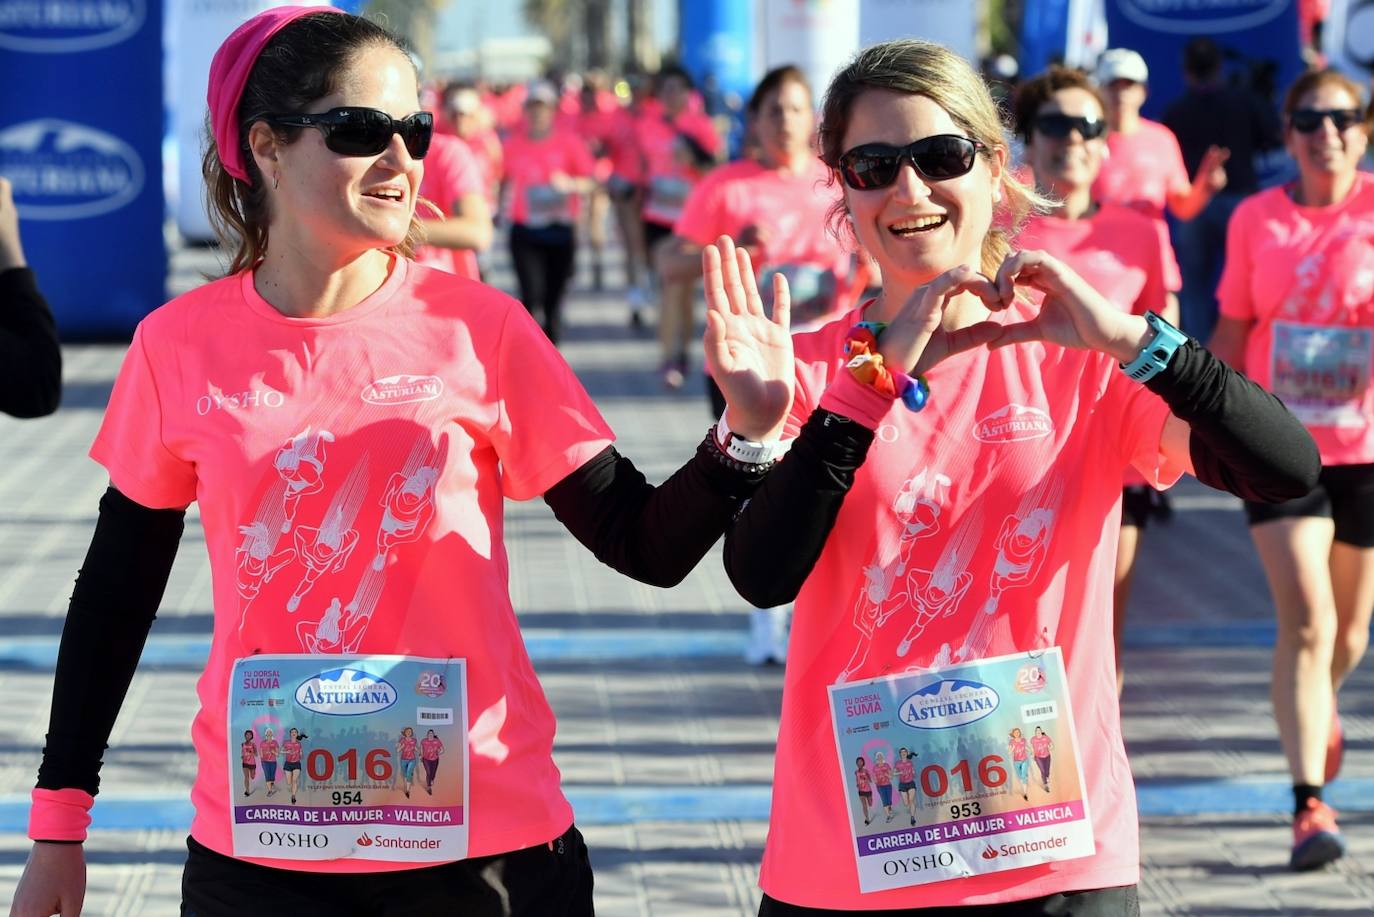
<point x="865" y="364"/>
<point x="740" y="454"/>
<point x="1165" y="340"/>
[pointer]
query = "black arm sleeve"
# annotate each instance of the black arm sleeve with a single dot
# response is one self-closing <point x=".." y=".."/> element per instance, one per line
<point x="113" y="605"/>
<point x="1243" y="440"/>
<point x="653" y="534"/>
<point x="30" y="357"/>
<point x="770" y="550"/>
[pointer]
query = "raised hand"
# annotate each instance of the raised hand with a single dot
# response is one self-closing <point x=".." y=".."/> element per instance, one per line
<point x="1213" y="167"/>
<point x="748" y="354"/>
<point x="1072" y="313"/>
<point x="915" y="340"/>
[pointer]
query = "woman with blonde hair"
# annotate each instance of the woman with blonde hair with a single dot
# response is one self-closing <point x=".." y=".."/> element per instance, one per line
<point x="947" y="549"/>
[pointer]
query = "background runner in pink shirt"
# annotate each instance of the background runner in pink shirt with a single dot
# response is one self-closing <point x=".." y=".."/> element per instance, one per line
<point x="982" y="522"/>
<point x="1060" y="115"/>
<point x="1297" y="314"/>
<point x="454" y="183"/>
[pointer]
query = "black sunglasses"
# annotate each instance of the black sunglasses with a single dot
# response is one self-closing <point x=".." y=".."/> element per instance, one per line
<point x="875" y="165"/>
<point x="363" y="131"/>
<point x="1309" y="120"/>
<point x="1058" y="126"/>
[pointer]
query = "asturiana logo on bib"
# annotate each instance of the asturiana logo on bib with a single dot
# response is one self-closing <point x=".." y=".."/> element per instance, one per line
<point x="947" y="703"/>
<point x="403" y="389"/>
<point x="66" y="171"/>
<point x="63" y="26"/>
<point x="345" y="692"/>
<point x="1012" y="424"/>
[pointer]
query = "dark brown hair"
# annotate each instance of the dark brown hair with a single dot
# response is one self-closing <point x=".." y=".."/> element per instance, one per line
<point x="303" y="62"/>
<point x="1036" y="91"/>
<point x="1316" y="79"/>
<point x="772" y="82"/>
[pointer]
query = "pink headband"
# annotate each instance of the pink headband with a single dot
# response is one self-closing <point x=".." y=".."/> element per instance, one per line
<point x="229" y="72"/>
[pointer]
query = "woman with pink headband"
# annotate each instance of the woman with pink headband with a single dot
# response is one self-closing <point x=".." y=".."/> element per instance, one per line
<point x="350" y="423"/>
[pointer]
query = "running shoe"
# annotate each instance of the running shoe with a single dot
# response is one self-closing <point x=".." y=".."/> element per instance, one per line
<point x="637" y="300"/>
<point x="1335" y="746"/>
<point x="1316" y="838"/>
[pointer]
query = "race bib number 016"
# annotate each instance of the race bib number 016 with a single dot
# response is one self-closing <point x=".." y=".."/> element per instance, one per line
<point x="970" y="770"/>
<point x="334" y="757"/>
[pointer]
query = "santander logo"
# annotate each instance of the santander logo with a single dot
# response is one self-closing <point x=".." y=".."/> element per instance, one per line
<point x="403" y="389"/>
<point x="365" y="840"/>
<point x="1013" y="424"/>
<point x="989" y="853"/>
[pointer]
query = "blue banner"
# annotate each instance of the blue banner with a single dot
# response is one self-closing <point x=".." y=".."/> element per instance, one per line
<point x="1258" y="38"/>
<point x="1044" y="35"/>
<point x="80" y="138"/>
<point x="717" y="40"/>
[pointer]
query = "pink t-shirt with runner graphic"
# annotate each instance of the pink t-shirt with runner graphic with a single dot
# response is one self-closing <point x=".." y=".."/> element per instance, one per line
<point x="248" y="753"/>
<point x="1139" y="172"/>
<point x="292" y="750"/>
<point x="269" y="750"/>
<point x="530" y="167"/>
<point x="1018" y="748"/>
<point x="1116" y="252"/>
<point x="882" y="774"/>
<point x="984" y="525"/>
<point x="790" y="212"/>
<point x="1040" y="745"/>
<point x="408" y="744"/>
<point x="361" y="459"/>
<point x="431" y="749"/>
<point x="1304" y="276"/>
<point x="864" y="779"/>
<point x="906" y="770"/>
<point x="451" y="173"/>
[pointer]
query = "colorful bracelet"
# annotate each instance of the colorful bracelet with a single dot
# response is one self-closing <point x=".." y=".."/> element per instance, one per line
<point x="865" y="364"/>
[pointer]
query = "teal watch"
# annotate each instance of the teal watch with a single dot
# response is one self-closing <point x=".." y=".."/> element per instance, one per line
<point x="1156" y="354"/>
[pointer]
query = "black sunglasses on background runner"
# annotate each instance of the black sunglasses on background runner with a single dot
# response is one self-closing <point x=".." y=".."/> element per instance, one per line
<point x="363" y="131"/>
<point x="1309" y="120"/>
<point x="1058" y="126"/>
<point x="875" y="165"/>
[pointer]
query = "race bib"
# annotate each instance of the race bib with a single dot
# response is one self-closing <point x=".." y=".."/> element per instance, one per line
<point x="381" y="758"/>
<point x="1322" y="372"/>
<point x="812" y="289"/>
<point x="981" y="799"/>
<point x="667" y="194"/>
<point x="547" y="206"/>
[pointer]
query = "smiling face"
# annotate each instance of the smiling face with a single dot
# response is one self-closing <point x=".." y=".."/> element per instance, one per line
<point x="1125" y="96"/>
<point x="1068" y="164"/>
<point x="1327" y="152"/>
<point x="346" y="205"/>
<point x="915" y="228"/>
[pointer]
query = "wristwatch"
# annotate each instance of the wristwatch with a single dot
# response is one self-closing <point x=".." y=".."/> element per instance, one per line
<point x="1155" y="355"/>
<point x="747" y="451"/>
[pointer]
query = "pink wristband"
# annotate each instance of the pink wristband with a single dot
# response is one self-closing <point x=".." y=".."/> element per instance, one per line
<point x="850" y="398"/>
<point x="59" y="815"/>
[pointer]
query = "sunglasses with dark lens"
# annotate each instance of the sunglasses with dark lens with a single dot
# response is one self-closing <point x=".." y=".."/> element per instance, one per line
<point x="1058" y="126"/>
<point x="363" y="131"/>
<point x="937" y="158"/>
<point x="1309" y="120"/>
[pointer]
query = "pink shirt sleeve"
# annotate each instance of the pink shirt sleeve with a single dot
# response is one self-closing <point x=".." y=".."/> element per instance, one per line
<point x="547" y="426"/>
<point x="1233" y="292"/>
<point x="700" y="221"/>
<point x="1138" y="416"/>
<point x="1155" y="294"/>
<point x="130" y="443"/>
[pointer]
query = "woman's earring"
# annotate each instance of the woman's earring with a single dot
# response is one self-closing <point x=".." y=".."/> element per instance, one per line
<point x="276" y="180"/>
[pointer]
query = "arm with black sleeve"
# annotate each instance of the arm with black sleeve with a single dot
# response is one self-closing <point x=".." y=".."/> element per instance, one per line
<point x="113" y="605"/>
<point x="30" y="354"/>
<point x="1242" y="439"/>
<point x="652" y="534"/>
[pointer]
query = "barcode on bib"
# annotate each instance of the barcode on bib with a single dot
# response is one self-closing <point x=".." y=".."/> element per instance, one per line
<point x="1039" y="712"/>
<point x="434" y="716"/>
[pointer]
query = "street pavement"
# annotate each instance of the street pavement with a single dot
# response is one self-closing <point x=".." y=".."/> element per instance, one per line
<point x="665" y="735"/>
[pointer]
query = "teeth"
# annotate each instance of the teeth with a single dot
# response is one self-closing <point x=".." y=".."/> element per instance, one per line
<point x="389" y="195"/>
<point x="918" y="223"/>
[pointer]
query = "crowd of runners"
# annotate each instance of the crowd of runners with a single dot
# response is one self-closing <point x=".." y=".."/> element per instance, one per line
<point x="944" y="360"/>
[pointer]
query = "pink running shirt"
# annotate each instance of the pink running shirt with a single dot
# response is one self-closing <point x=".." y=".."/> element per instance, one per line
<point x="1018" y="749"/>
<point x="1139" y="172"/>
<point x="906" y="770"/>
<point x="248" y="752"/>
<point x="1309" y="270"/>
<point x="1040" y="745"/>
<point x="864" y="779"/>
<point x="667" y="173"/>
<point x="269" y="749"/>
<point x="791" y="211"/>
<point x="408" y="744"/>
<point x="451" y="173"/>
<point x="530" y="166"/>
<point x="431" y="749"/>
<point x="292" y="750"/>
<point x="1117" y="252"/>
<point x="384" y="440"/>
<point x="882" y="774"/>
<point x="1004" y="496"/>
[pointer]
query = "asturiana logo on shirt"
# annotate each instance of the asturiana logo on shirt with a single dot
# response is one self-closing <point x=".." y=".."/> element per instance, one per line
<point x="345" y="692"/>
<point x="1012" y="424"/>
<point x="947" y="703"/>
<point x="403" y="389"/>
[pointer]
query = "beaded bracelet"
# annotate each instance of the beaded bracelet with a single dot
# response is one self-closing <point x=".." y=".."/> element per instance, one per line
<point x="865" y="364"/>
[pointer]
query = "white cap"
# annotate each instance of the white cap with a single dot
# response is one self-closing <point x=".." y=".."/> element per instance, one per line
<point x="541" y="91"/>
<point x="1121" y="64"/>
